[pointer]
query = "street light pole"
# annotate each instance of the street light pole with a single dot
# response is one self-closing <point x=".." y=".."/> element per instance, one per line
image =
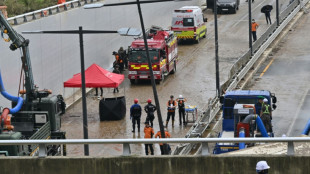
<point x="277" y="12"/>
<point x="122" y="31"/>
<point x="250" y="26"/>
<point x="218" y="90"/>
<point x="85" y="124"/>
<point x="160" y="121"/>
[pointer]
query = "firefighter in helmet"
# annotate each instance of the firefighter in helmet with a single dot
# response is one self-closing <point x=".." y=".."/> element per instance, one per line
<point x="181" y="105"/>
<point x="150" y="109"/>
<point x="135" y="115"/>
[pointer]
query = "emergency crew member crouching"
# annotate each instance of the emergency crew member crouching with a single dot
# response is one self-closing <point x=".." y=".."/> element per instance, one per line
<point x="148" y="133"/>
<point x="135" y="115"/>
<point x="150" y="109"/>
<point x="181" y="105"/>
<point x="161" y="145"/>
<point x="266" y="115"/>
<point x="171" y="104"/>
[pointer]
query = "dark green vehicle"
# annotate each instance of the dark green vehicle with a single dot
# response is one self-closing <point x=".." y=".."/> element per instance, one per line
<point x="35" y="114"/>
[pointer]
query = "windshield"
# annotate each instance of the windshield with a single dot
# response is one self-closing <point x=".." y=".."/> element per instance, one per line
<point x="139" y="56"/>
<point x="188" y="22"/>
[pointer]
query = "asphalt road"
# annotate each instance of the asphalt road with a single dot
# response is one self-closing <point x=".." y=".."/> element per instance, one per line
<point x="288" y="77"/>
<point x="194" y="79"/>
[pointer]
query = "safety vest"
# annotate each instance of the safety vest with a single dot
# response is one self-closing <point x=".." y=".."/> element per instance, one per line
<point x="181" y="104"/>
<point x="266" y="109"/>
<point x="169" y="108"/>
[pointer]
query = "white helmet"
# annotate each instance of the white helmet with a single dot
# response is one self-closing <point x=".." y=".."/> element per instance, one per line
<point x="262" y="165"/>
<point x="265" y="100"/>
<point x="180" y="96"/>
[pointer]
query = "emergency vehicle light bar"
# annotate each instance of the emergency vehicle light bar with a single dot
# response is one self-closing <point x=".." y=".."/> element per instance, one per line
<point x="183" y="11"/>
<point x="142" y="44"/>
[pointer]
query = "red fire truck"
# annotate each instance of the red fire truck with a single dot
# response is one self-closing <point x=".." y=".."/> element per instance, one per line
<point x="163" y="51"/>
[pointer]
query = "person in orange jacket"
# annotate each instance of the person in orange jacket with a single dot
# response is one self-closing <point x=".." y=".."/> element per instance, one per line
<point x="148" y="133"/>
<point x="254" y="28"/>
<point x="161" y="145"/>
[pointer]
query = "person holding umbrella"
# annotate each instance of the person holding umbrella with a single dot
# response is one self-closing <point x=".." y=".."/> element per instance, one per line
<point x="267" y="9"/>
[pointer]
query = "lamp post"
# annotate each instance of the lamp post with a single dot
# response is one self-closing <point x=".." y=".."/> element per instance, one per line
<point x="250" y="26"/>
<point x="80" y="32"/>
<point x="218" y="90"/>
<point x="138" y="2"/>
<point x="277" y="12"/>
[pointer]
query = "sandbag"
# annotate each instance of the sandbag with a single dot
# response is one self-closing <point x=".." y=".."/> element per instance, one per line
<point x="112" y="108"/>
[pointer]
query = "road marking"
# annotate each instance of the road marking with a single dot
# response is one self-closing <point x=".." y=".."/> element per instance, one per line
<point x="297" y="113"/>
<point x="266" y="68"/>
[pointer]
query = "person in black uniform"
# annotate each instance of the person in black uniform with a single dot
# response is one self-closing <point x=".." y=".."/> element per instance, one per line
<point x="150" y="109"/>
<point x="181" y="105"/>
<point x="135" y="115"/>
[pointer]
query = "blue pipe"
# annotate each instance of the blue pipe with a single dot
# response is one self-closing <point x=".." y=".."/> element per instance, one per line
<point x="261" y="126"/>
<point x="307" y="129"/>
<point x="241" y="135"/>
<point x="19" y="100"/>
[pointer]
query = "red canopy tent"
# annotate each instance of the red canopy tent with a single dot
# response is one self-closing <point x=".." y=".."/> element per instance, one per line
<point x="96" y="77"/>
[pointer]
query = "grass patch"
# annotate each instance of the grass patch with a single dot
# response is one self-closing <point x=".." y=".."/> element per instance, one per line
<point x="17" y="7"/>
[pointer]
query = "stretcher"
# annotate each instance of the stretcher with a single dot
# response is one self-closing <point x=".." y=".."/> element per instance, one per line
<point x="191" y="113"/>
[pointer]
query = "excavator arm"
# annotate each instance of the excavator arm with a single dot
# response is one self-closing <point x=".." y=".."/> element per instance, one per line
<point x="18" y="41"/>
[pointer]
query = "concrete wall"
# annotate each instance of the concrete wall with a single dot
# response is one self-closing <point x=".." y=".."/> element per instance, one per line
<point x="160" y="165"/>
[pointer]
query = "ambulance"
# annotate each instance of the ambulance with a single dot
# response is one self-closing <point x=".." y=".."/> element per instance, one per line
<point x="188" y="23"/>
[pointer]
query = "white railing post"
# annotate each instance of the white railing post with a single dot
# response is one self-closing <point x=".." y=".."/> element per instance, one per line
<point x="42" y="150"/>
<point x="290" y="148"/>
<point x="205" y="149"/>
<point x="126" y="149"/>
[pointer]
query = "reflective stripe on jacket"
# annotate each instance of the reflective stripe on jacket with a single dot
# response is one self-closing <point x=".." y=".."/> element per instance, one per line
<point x="266" y="109"/>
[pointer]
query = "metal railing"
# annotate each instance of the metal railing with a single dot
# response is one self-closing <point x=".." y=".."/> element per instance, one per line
<point x="48" y="11"/>
<point x="240" y="69"/>
<point x="126" y="142"/>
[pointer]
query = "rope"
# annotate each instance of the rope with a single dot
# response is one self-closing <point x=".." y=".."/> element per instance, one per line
<point x="20" y="79"/>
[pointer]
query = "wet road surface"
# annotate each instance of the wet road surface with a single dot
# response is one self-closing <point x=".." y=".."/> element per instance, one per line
<point x="194" y="79"/>
<point x="288" y="77"/>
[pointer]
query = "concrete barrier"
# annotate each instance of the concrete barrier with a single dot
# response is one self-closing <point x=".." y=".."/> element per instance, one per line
<point x="161" y="165"/>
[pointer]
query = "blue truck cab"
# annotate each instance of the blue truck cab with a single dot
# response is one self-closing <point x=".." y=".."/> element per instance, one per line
<point x="240" y="113"/>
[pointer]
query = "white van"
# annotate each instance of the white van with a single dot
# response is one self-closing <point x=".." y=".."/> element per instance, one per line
<point x="188" y="23"/>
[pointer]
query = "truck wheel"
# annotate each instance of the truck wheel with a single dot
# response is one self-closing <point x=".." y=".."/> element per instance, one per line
<point x="162" y="78"/>
<point x="132" y="81"/>
<point x="197" y="40"/>
<point x="234" y="11"/>
<point x="174" y="68"/>
<point x="204" y="36"/>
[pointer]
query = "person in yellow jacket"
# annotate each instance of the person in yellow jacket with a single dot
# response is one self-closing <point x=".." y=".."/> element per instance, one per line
<point x="161" y="145"/>
<point x="148" y="133"/>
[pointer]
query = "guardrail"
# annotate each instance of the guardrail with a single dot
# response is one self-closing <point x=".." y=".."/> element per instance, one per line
<point x="239" y="70"/>
<point x="126" y="142"/>
<point x="48" y="11"/>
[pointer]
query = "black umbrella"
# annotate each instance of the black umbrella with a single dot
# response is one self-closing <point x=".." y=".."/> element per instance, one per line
<point x="266" y="8"/>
